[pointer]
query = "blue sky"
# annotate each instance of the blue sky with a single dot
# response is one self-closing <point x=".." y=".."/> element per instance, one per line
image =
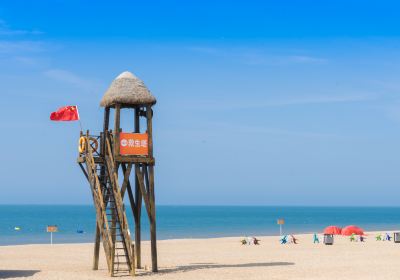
<point x="259" y="102"/>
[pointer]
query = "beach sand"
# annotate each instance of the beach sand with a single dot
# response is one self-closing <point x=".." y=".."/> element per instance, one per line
<point x="216" y="258"/>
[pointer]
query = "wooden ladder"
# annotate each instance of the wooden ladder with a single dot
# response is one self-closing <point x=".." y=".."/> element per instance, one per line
<point x="110" y="213"/>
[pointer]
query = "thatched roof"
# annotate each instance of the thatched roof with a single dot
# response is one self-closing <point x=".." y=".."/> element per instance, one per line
<point x="127" y="90"/>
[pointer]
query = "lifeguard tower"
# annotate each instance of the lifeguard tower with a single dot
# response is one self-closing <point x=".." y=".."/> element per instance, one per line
<point x="109" y="161"/>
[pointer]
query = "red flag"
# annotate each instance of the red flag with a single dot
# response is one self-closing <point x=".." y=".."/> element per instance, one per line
<point x="67" y="113"/>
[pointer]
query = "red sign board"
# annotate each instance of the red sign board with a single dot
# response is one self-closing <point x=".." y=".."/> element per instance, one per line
<point x="133" y="144"/>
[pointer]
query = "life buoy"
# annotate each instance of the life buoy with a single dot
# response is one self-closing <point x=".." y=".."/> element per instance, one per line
<point x="82" y="144"/>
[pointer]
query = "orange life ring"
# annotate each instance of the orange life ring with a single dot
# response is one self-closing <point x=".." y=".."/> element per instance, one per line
<point x="82" y="144"/>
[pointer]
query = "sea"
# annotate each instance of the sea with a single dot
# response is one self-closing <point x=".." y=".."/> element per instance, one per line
<point x="26" y="224"/>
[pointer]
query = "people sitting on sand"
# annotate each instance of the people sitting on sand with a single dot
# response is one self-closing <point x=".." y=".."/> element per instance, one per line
<point x="352" y="237"/>
<point x="316" y="239"/>
<point x="250" y="240"/>
<point x="362" y="238"/>
<point x="284" y="240"/>
<point x="256" y="241"/>
<point x="293" y="239"/>
<point x="378" y="237"/>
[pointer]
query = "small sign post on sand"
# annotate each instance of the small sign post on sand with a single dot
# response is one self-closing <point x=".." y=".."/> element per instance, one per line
<point x="280" y="222"/>
<point x="52" y="229"/>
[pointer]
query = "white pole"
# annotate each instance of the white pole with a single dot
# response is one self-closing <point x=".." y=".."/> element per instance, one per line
<point x="280" y="229"/>
<point x="51" y="238"/>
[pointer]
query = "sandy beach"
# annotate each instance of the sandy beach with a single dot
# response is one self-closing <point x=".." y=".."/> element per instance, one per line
<point x="217" y="258"/>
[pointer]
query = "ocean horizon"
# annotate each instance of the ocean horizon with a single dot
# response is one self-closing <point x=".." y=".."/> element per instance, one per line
<point x="76" y="223"/>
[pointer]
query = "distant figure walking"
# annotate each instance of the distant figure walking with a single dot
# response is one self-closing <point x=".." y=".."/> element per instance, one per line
<point x="283" y="240"/>
<point x="293" y="239"/>
<point x="316" y="239"/>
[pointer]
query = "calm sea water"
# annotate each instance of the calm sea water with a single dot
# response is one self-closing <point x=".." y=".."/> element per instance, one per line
<point x="189" y="221"/>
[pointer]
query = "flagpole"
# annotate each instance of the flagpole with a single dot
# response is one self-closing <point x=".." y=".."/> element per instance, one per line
<point x="79" y="117"/>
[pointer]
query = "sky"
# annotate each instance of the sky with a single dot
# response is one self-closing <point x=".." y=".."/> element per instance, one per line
<point x="258" y="102"/>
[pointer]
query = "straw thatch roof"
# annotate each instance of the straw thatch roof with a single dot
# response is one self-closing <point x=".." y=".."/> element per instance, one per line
<point x="127" y="90"/>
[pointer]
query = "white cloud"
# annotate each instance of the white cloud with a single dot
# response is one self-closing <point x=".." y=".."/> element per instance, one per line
<point x="254" y="58"/>
<point x="7" y="46"/>
<point x="307" y="100"/>
<point x="287" y="101"/>
<point x="6" y="30"/>
<point x="70" y="78"/>
<point x="257" y="56"/>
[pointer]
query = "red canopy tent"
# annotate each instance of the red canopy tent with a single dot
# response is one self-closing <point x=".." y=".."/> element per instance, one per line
<point x="333" y="230"/>
<point x="349" y="230"/>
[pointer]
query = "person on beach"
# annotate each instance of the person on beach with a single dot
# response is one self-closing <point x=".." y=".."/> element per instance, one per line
<point x="362" y="238"/>
<point x="256" y="241"/>
<point x="243" y="241"/>
<point x="388" y="237"/>
<point x="293" y="239"/>
<point x="316" y="239"/>
<point x="352" y="237"/>
<point x="283" y="240"/>
<point x="378" y="237"/>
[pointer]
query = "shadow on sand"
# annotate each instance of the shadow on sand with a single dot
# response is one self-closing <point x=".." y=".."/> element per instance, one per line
<point x="4" y="274"/>
<point x="197" y="266"/>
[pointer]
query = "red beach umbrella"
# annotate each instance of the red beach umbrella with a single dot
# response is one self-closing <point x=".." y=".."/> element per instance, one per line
<point x="349" y="230"/>
<point x="332" y="230"/>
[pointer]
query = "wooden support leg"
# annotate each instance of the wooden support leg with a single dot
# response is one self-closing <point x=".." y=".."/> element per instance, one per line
<point x="148" y="196"/>
<point x="113" y="236"/>
<point x="96" y="249"/>
<point x="138" y="253"/>
<point x="153" y="245"/>
<point x="153" y="236"/>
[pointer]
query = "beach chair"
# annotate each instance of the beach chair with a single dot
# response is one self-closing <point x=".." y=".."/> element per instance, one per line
<point x="283" y="240"/>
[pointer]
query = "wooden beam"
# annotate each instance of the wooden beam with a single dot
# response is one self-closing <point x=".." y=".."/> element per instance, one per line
<point x="96" y="249"/>
<point x="149" y="117"/>
<point x="138" y="196"/>
<point x="127" y="172"/>
<point x="142" y="187"/>
<point x="135" y="159"/>
<point x="116" y="128"/>
<point x="153" y="238"/>
<point x="153" y="232"/>
<point x="84" y="171"/>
